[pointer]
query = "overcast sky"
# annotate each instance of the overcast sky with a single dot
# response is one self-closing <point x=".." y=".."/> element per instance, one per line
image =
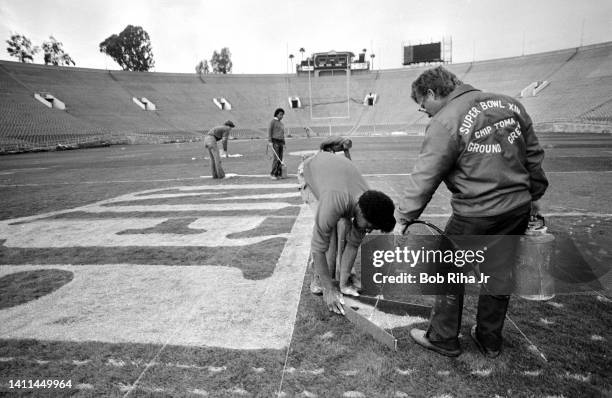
<point x="261" y="33"/>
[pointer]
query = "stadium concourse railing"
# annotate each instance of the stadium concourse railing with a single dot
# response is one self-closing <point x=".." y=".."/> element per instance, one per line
<point x="100" y="109"/>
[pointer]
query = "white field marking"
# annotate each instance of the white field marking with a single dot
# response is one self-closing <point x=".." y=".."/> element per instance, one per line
<point x="84" y="386"/>
<point x="482" y="372"/>
<point x="217" y="369"/>
<point x="239" y="175"/>
<point x="11" y="171"/>
<point x="304" y="153"/>
<point x="443" y="372"/>
<point x="125" y="387"/>
<point x="117" y="363"/>
<point x="130" y="303"/>
<point x="7" y="359"/>
<point x="353" y="394"/>
<point x="554" y="304"/>
<point x="327" y="335"/>
<point x="318" y="371"/>
<point x="239" y="391"/>
<point x="308" y="394"/>
<point x="258" y="370"/>
<point x="404" y="372"/>
<point x="80" y="363"/>
<point x="382" y="319"/>
<point x="574" y="376"/>
<point x="130" y="155"/>
<point x="290" y="370"/>
<point x="106" y="233"/>
<point x="134" y="181"/>
<point x="349" y="372"/>
<point x="182" y="366"/>
<point x="603" y="299"/>
<point x="232" y="175"/>
<point x="596" y="337"/>
<point x="202" y="393"/>
<point x="187" y="207"/>
<point x="546" y="321"/>
<point x="401" y="394"/>
<point x="533" y="373"/>
<point x="263" y="196"/>
<point x="281" y="394"/>
<point x="97" y="207"/>
<point x="533" y="349"/>
<point x="41" y="362"/>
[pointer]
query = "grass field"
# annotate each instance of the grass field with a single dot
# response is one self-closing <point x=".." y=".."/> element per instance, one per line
<point x="129" y="272"/>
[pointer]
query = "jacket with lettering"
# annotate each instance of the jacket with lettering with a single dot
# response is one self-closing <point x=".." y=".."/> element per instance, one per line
<point x="482" y="145"/>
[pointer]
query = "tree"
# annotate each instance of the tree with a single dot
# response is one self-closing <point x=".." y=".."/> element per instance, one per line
<point x="131" y="49"/>
<point x="202" y="67"/>
<point x="21" y="48"/>
<point x="54" y="53"/>
<point x="221" y="62"/>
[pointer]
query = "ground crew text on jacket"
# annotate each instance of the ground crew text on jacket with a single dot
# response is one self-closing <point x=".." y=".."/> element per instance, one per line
<point x="482" y="145"/>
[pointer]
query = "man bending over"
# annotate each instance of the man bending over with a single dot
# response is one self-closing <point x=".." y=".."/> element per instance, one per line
<point x="336" y="190"/>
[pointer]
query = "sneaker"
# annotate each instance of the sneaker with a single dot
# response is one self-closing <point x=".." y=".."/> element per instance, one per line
<point x="349" y="290"/>
<point x="485" y="351"/>
<point x="315" y="285"/>
<point x="419" y="337"/>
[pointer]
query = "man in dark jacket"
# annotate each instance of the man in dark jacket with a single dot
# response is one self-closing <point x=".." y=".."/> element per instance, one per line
<point x="276" y="138"/>
<point x="484" y="148"/>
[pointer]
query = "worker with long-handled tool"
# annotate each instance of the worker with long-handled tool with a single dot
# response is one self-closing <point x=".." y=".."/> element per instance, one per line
<point x="219" y="133"/>
<point x="484" y="148"/>
<point x="276" y="139"/>
<point x="336" y="190"/>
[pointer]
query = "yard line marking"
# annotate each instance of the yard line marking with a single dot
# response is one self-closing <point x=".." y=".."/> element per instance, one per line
<point x="245" y="176"/>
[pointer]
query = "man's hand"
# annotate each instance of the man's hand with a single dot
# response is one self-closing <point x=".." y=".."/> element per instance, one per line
<point x="535" y="208"/>
<point x="333" y="300"/>
<point x="223" y="154"/>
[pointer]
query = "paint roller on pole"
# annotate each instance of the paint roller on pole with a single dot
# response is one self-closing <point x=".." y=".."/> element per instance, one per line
<point x="283" y="165"/>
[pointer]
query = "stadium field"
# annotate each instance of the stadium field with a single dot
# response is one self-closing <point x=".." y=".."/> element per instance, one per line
<point x="126" y="271"/>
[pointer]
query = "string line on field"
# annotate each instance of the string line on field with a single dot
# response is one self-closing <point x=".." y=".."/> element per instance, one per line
<point x="174" y="332"/>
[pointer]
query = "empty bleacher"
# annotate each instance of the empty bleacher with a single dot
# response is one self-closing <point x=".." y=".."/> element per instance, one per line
<point x="99" y="105"/>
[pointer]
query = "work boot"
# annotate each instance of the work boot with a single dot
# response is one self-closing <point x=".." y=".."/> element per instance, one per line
<point x="487" y="352"/>
<point x="349" y="290"/>
<point x="421" y="339"/>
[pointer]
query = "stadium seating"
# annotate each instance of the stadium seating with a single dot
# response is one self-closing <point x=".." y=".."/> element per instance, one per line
<point x="99" y="105"/>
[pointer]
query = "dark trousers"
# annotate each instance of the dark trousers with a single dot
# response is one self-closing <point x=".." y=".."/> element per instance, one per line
<point x="445" y="319"/>
<point x="278" y="146"/>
